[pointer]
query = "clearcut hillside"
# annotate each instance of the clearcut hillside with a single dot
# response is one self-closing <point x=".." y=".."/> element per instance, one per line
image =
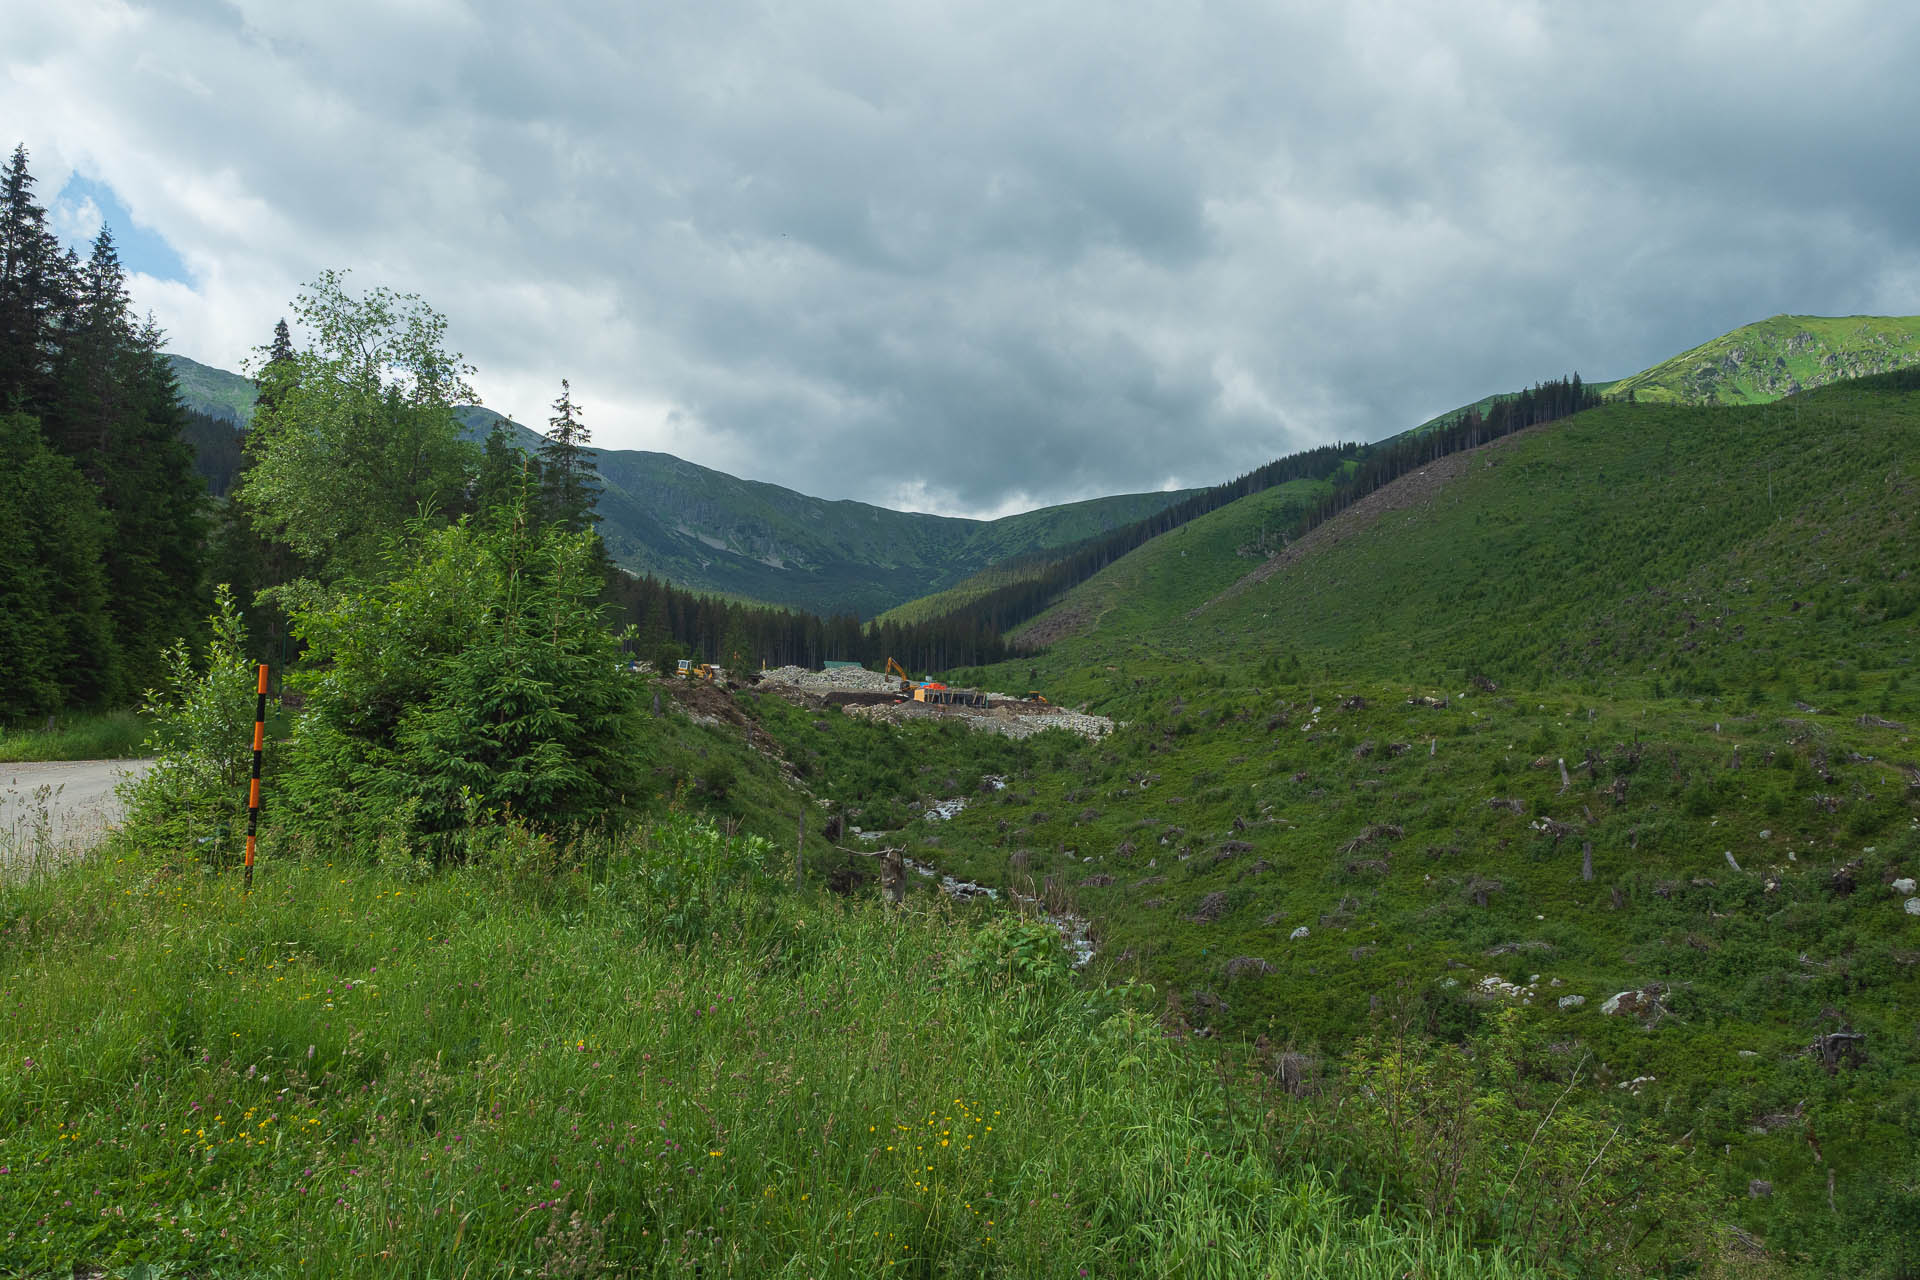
<point x="1604" y="736"/>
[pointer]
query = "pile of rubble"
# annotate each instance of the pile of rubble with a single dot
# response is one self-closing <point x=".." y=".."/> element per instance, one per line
<point x="834" y="680"/>
<point x="1012" y="720"/>
<point x="1015" y="718"/>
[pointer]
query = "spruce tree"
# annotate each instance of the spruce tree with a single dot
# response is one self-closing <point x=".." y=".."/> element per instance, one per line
<point x="34" y="292"/>
<point x="569" y="481"/>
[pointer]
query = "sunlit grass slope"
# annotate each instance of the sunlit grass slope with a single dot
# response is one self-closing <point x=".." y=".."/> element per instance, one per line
<point x="1768" y="359"/>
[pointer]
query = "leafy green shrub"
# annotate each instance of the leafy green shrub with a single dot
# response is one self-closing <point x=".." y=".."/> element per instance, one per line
<point x="475" y="684"/>
<point x="1014" y="951"/>
<point x="195" y="795"/>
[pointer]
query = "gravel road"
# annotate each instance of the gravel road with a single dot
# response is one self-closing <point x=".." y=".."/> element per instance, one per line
<point x="58" y="809"/>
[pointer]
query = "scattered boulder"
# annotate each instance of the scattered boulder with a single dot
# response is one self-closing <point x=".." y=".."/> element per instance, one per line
<point x="1904" y="885"/>
<point x="1248" y="966"/>
<point x="1298" y="933"/>
<point x="1096" y="882"/>
<point x="1571" y="1002"/>
<point x="1759" y="1189"/>
<point x="1913" y="906"/>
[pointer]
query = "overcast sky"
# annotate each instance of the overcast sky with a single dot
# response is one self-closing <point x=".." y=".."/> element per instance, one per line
<point x="974" y="259"/>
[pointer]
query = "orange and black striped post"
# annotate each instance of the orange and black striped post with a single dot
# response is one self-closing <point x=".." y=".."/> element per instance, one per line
<point x="253" y="794"/>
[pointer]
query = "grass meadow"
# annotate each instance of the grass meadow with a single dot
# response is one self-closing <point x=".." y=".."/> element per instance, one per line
<point x="648" y="1059"/>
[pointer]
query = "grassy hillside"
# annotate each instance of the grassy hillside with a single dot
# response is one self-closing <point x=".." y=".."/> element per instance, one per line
<point x="1339" y="802"/>
<point x="1183" y="568"/>
<point x="687" y="1067"/>
<point x="1764" y="361"/>
<point x="1757" y="546"/>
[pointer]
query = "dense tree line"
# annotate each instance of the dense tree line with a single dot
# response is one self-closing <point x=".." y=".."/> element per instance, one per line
<point x="1381" y="464"/>
<point x="671" y="623"/>
<point x="101" y="513"/>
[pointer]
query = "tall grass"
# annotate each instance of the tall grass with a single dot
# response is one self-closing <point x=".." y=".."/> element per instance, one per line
<point x="98" y="735"/>
<point x="644" y="1065"/>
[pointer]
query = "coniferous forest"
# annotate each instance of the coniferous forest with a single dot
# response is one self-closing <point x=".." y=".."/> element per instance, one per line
<point x="101" y="511"/>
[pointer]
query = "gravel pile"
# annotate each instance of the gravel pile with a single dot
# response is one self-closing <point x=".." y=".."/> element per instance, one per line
<point x="1001" y="720"/>
<point x="1014" y="719"/>
<point x="839" y="679"/>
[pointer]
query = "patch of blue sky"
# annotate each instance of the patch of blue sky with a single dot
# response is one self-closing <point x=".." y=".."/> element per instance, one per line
<point x="77" y="213"/>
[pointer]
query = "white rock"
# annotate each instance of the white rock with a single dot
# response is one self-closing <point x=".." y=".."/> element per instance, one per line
<point x="1766" y="835"/>
<point x="1748" y="1053"/>
<point x="1572" y="1002"/>
<point x="1298" y="933"/>
<point x="1903" y="885"/>
<point x="1913" y="906"/>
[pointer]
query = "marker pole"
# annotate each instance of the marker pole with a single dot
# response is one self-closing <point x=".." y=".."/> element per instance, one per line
<point x="253" y="794"/>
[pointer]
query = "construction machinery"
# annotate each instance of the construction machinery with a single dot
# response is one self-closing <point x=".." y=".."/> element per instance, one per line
<point x="1034" y="695"/>
<point x="895" y="669"/>
<point x="691" y="670"/>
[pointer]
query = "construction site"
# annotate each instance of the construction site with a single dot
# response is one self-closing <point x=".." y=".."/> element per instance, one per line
<point x="897" y="698"/>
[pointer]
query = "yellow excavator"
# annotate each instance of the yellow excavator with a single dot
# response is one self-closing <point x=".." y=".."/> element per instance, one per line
<point x="895" y="669"/>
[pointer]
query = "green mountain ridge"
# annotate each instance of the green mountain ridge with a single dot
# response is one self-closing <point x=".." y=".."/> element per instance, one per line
<point x="1757" y="362"/>
<point x="1777" y="357"/>
<point x="704" y="530"/>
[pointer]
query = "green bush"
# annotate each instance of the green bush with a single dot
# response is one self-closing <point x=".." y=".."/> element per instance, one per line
<point x="474" y="685"/>
<point x="195" y="795"/>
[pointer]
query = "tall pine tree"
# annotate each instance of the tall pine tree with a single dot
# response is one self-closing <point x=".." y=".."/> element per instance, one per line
<point x="35" y="293"/>
<point x="569" y="480"/>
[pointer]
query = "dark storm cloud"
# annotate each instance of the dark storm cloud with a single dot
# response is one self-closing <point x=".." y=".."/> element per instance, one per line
<point x="977" y="258"/>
